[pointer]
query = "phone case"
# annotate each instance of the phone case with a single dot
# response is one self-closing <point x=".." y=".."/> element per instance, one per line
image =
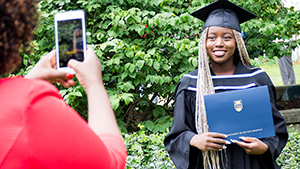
<point x="70" y="38"/>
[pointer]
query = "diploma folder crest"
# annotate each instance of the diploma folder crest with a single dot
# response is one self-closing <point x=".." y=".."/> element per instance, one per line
<point x="240" y="113"/>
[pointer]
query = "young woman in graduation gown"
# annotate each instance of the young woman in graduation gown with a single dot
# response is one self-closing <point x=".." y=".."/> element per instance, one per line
<point x="189" y="142"/>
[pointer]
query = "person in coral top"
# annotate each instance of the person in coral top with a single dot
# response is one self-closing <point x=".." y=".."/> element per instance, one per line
<point x="37" y="128"/>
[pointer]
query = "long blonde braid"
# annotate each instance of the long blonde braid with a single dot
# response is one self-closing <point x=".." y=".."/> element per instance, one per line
<point x="211" y="159"/>
<point x="204" y="87"/>
<point x="242" y="48"/>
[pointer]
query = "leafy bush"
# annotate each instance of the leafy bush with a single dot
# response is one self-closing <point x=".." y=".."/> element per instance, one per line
<point x="161" y="125"/>
<point x="290" y="156"/>
<point x="147" y="151"/>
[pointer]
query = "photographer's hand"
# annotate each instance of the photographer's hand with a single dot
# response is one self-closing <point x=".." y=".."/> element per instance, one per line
<point x="46" y="69"/>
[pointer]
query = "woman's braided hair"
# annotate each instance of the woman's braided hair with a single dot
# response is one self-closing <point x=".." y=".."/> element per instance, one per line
<point x="18" y="18"/>
<point x="211" y="159"/>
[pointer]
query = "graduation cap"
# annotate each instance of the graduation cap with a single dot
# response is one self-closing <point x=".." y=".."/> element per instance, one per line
<point x="223" y="13"/>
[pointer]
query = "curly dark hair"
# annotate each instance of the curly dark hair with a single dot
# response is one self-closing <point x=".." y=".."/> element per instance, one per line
<point x="18" y="18"/>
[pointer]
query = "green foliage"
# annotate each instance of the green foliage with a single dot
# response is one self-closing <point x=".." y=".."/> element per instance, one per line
<point x="273" y="22"/>
<point x="160" y="125"/>
<point x="290" y="156"/>
<point x="76" y="97"/>
<point x="146" y="46"/>
<point x="147" y="151"/>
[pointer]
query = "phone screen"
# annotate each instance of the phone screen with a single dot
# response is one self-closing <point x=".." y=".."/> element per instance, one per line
<point x="70" y="41"/>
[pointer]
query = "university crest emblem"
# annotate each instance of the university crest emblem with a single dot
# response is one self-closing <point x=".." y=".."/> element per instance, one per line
<point x="238" y="105"/>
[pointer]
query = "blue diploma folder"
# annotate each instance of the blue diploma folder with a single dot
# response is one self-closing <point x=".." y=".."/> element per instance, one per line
<point x="240" y="113"/>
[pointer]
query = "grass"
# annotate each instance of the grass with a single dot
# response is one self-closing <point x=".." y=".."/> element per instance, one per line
<point x="274" y="72"/>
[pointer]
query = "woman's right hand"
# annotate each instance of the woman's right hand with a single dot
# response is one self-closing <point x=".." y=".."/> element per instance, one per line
<point x="89" y="71"/>
<point x="209" y="141"/>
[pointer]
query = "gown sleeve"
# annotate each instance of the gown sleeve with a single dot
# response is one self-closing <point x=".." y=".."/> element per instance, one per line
<point x="278" y="142"/>
<point x="177" y="141"/>
<point x="59" y="138"/>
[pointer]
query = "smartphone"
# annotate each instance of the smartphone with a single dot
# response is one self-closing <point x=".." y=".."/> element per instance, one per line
<point x="70" y="38"/>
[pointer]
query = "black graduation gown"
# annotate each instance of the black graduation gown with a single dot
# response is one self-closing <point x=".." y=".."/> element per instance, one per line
<point x="177" y="142"/>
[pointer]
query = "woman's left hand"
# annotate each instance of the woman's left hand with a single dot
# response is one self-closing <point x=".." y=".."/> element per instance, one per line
<point x="45" y="69"/>
<point x="252" y="145"/>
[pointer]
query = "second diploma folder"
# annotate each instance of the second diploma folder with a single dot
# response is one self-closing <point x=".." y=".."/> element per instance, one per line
<point x="240" y="113"/>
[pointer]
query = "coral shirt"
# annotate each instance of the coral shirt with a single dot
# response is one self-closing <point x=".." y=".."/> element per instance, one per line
<point x="39" y="130"/>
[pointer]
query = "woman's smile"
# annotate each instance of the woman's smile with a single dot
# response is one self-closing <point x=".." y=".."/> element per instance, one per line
<point x="219" y="52"/>
<point x="220" y="44"/>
